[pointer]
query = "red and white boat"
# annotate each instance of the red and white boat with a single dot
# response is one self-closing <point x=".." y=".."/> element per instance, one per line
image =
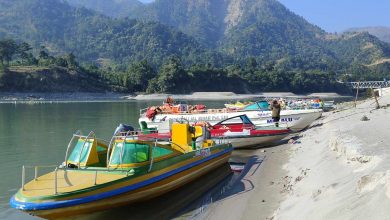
<point x="241" y="132"/>
<point x="238" y="130"/>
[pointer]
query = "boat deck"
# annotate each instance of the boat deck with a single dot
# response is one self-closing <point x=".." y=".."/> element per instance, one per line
<point x="71" y="180"/>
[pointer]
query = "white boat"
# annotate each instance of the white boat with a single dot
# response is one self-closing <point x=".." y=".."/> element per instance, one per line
<point x="296" y="120"/>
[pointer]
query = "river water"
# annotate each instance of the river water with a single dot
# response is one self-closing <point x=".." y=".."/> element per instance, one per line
<point x="37" y="134"/>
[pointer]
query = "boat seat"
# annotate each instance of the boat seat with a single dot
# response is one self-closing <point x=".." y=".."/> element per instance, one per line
<point x="198" y="132"/>
<point x="145" y="129"/>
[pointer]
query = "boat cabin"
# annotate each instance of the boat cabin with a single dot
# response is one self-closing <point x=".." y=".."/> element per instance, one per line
<point x="126" y="151"/>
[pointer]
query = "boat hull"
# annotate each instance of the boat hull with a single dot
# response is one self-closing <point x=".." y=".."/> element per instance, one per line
<point x="296" y="120"/>
<point x="158" y="184"/>
<point x="253" y="141"/>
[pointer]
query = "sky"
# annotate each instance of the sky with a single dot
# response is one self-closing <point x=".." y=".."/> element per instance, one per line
<point x="339" y="15"/>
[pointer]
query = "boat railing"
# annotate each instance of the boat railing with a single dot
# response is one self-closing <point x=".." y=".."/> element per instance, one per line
<point x="76" y="134"/>
<point x="123" y="147"/>
<point x="221" y="140"/>
<point x="142" y="111"/>
<point x="65" y="169"/>
<point x="90" y="135"/>
<point x="152" y="159"/>
<point x="36" y="171"/>
<point x="118" y="135"/>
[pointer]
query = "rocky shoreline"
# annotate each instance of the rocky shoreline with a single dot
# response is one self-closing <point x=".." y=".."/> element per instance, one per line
<point x="9" y="97"/>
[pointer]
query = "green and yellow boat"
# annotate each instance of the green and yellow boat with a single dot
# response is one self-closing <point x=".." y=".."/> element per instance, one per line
<point x="98" y="175"/>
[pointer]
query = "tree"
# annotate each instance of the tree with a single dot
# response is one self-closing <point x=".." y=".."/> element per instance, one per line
<point x="71" y="61"/>
<point x="23" y="48"/>
<point x="8" y="48"/>
<point x="172" y="77"/>
<point x="251" y="64"/>
<point x="138" y="76"/>
<point x="43" y="53"/>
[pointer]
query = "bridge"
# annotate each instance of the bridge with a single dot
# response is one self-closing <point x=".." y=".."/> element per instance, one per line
<point x="368" y="84"/>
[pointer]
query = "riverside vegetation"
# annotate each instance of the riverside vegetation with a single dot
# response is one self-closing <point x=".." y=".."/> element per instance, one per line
<point x="177" y="47"/>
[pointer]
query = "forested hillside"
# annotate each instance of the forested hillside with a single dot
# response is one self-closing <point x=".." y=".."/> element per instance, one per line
<point x="191" y="45"/>
<point x="90" y="36"/>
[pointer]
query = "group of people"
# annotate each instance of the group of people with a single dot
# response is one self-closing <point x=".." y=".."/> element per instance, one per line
<point x="275" y="107"/>
<point x="170" y="107"/>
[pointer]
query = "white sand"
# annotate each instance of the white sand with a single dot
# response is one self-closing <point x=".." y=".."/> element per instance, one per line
<point x="347" y="167"/>
<point x="339" y="170"/>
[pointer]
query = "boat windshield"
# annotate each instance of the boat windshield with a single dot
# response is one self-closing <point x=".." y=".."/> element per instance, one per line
<point x="130" y="153"/>
<point x="80" y="151"/>
<point x="245" y="119"/>
<point x="260" y="105"/>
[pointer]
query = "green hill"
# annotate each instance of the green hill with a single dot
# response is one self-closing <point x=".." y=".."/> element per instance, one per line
<point x="265" y="30"/>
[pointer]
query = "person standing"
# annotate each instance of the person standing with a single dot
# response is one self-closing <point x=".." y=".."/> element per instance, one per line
<point x="169" y="100"/>
<point x="275" y="108"/>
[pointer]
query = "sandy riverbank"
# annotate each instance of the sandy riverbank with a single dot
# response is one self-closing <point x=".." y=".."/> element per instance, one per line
<point x="339" y="169"/>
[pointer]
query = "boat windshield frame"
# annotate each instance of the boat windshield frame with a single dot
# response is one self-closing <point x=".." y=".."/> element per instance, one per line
<point x="243" y="118"/>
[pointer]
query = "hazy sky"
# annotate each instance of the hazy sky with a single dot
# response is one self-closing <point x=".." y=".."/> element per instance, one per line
<point x="146" y="1"/>
<point x="338" y="15"/>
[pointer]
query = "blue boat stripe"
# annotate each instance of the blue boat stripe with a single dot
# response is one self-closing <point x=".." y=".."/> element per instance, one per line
<point x="66" y="203"/>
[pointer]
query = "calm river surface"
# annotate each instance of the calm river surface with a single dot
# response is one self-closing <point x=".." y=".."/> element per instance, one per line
<point x="37" y="134"/>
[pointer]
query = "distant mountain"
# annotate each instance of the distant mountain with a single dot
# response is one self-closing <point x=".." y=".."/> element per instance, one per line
<point x="261" y="33"/>
<point x="202" y="19"/>
<point x="267" y="29"/>
<point x="263" y="29"/>
<point x="111" y="8"/>
<point x="383" y="33"/>
<point x="359" y="48"/>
